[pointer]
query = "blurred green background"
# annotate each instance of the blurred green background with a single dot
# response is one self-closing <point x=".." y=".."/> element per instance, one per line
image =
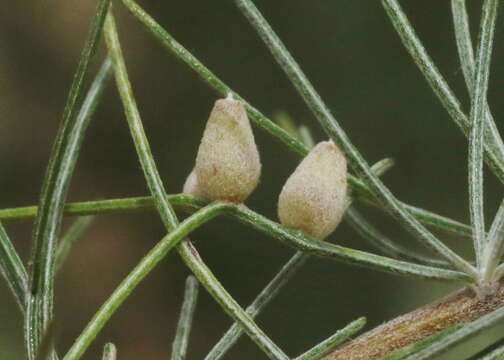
<point x="353" y="57"/>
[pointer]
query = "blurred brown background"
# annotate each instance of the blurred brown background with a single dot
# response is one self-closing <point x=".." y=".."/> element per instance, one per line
<point x="356" y="61"/>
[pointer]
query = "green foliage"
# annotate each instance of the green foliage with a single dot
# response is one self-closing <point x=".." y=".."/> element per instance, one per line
<point x="34" y="293"/>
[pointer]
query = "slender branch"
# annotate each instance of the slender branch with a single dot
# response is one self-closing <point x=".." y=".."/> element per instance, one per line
<point x="13" y="270"/>
<point x="274" y="286"/>
<point x="293" y="239"/>
<point x="109" y="352"/>
<point x="494" y="148"/>
<point x="267" y="294"/>
<point x="143" y="203"/>
<point x="73" y="234"/>
<point x="299" y="241"/>
<point x="383" y="243"/>
<point x="338" y="135"/>
<point x="179" y="348"/>
<point x="496" y="354"/>
<point x="489" y="16"/>
<point x="144" y="267"/>
<point x="54" y="190"/>
<point x="155" y="185"/>
<point x="458" y="308"/>
<point x="464" y="42"/>
<point x="495" y="245"/>
<point x="292" y="143"/>
<point x="330" y="343"/>
<point x="466" y="55"/>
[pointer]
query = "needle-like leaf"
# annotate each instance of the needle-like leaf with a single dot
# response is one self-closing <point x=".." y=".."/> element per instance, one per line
<point x="478" y="107"/>
<point x="383" y="243"/>
<point x="466" y="55"/>
<point x="477" y="125"/>
<point x="292" y="143"/>
<point x="338" y="135"/>
<point x="109" y="352"/>
<point x="54" y="190"/>
<point x="497" y="354"/>
<point x="144" y="267"/>
<point x="267" y="294"/>
<point x="330" y="343"/>
<point x="494" y="149"/>
<point x="73" y="234"/>
<point x="156" y="187"/>
<point x="13" y="270"/>
<point x="143" y="203"/>
<point x="495" y="246"/>
<point x="179" y="348"/>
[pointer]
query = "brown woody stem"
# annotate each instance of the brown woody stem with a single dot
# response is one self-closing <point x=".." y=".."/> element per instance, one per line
<point x="460" y="307"/>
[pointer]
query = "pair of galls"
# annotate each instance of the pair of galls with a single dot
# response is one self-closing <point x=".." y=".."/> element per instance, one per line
<point x="228" y="168"/>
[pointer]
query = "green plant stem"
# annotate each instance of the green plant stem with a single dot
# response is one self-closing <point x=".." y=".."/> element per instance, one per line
<point x="383" y="243"/>
<point x="464" y="42"/>
<point x="73" y="234"/>
<point x="13" y="270"/>
<point x="186" y="250"/>
<point x="179" y="51"/>
<point x="497" y="354"/>
<point x="478" y="106"/>
<point x="267" y="294"/>
<point x="494" y="149"/>
<point x="466" y="55"/>
<point x="292" y="143"/>
<point x="299" y="241"/>
<point x="143" y="203"/>
<point x="495" y="246"/>
<point x="54" y="190"/>
<point x="144" y="267"/>
<point x="332" y="342"/>
<point x="338" y="135"/>
<point x="179" y="348"/>
<point x="292" y="238"/>
<point x="109" y="352"/>
<point x="274" y="286"/>
<point x="306" y="136"/>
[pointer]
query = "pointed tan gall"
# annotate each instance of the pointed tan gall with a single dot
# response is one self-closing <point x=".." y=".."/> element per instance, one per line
<point x="314" y="196"/>
<point x="228" y="165"/>
<point x="191" y="185"/>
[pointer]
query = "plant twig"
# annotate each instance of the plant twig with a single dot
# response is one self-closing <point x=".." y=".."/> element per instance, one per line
<point x="338" y="135"/>
<point x="478" y="106"/>
<point x="496" y="354"/>
<point x="267" y="294"/>
<point x="144" y="267"/>
<point x="330" y="343"/>
<point x="292" y="143"/>
<point x="275" y="285"/>
<point x="459" y="335"/>
<point x="458" y="308"/>
<point x="179" y="348"/>
<point x="495" y="244"/>
<point x="299" y="241"/>
<point x="466" y="55"/>
<point x="155" y="185"/>
<point x="494" y="149"/>
<point x="109" y="352"/>
<point x="291" y="238"/>
<point x="73" y="234"/>
<point x="13" y="270"/>
<point x="54" y="190"/>
<point x="383" y="243"/>
<point x="143" y="203"/>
